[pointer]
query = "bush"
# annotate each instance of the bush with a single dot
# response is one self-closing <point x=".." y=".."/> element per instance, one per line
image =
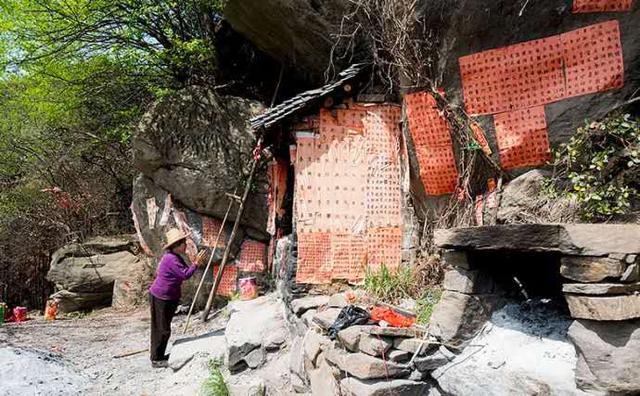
<point x="600" y="166"/>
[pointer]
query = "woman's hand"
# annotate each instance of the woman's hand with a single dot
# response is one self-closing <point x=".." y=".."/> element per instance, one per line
<point x="200" y="258"/>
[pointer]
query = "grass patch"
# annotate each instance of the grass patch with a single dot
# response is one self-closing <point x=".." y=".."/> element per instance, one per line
<point x="426" y="304"/>
<point x="215" y="384"/>
<point x="390" y="285"/>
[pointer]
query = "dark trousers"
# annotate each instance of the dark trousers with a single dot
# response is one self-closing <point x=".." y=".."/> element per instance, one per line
<point x="161" y="315"/>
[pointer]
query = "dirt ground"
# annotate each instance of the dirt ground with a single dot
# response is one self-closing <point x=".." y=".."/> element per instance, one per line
<point x="76" y="356"/>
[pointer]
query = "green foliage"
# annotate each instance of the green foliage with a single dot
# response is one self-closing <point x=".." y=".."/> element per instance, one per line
<point x="215" y="384"/>
<point x="601" y="163"/>
<point x="389" y="285"/>
<point x="426" y="304"/>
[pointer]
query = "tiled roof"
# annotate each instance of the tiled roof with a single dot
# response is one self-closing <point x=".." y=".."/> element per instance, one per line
<point x="290" y="106"/>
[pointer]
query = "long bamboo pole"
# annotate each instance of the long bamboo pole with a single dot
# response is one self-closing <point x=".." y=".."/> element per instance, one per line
<point x="204" y="275"/>
<point x="225" y="257"/>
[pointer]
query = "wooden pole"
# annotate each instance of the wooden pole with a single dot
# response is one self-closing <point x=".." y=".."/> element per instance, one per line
<point x="225" y="257"/>
<point x="213" y="253"/>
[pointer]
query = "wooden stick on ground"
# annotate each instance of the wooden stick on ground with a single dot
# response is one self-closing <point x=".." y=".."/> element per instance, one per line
<point x="213" y="253"/>
<point x="130" y="353"/>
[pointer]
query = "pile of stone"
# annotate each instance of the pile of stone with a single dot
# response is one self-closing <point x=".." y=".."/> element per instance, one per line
<point x="364" y="360"/>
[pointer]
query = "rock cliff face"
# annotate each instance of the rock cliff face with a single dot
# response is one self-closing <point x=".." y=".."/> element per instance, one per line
<point x="197" y="146"/>
<point x="296" y="32"/>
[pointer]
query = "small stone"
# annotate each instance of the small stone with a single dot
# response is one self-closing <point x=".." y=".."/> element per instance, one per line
<point x="374" y="346"/>
<point x="323" y="380"/>
<point x="397" y="387"/>
<point x="364" y="366"/>
<point x="255" y="358"/>
<point x="350" y="337"/>
<point x="325" y="318"/>
<point x="617" y="256"/>
<point x="434" y="360"/>
<point x="338" y="300"/>
<point x="307" y="317"/>
<point x="408" y="332"/>
<point x="417" y="375"/>
<point x="456" y="258"/>
<point x="410" y="345"/>
<point x="301" y="305"/>
<point x="631" y="258"/>
<point x="600" y="288"/>
<point x="312" y="346"/>
<point x="398" y="356"/>
<point x="274" y="341"/>
<point x="590" y="269"/>
<point x="604" y="308"/>
<point x="408" y="304"/>
<point x="297" y="384"/>
<point x="631" y="274"/>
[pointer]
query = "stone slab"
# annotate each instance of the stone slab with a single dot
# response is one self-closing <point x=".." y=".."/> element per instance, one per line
<point x="300" y="305"/>
<point x="604" y="308"/>
<point x="411" y="345"/>
<point x="396" y="387"/>
<point x="601" y="288"/>
<point x="325" y="318"/>
<point x="407" y="332"/>
<point x="456" y="258"/>
<point x="607" y="355"/>
<point x="350" y="337"/>
<point x="631" y="274"/>
<point x="457" y="317"/>
<point x="398" y="356"/>
<point x="364" y="366"/>
<point x="432" y="361"/>
<point x="374" y="345"/>
<point x="572" y="239"/>
<point x="591" y="269"/>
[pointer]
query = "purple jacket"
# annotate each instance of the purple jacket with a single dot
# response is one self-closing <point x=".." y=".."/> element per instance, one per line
<point x="172" y="271"/>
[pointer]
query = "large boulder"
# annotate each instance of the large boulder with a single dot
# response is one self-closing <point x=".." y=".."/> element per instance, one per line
<point x="608" y="355"/>
<point x="198" y="146"/>
<point x="85" y="273"/>
<point x="298" y="33"/>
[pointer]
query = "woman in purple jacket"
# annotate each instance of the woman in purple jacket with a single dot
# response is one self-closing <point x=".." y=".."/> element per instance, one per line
<point x="164" y="293"/>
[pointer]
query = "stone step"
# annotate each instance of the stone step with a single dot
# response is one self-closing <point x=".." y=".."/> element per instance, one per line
<point x="396" y="387"/>
<point x="601" y="288"/>
<point x="591" y="269"/>
<point x="364" y="366"/>
<point x="604" y="308"/>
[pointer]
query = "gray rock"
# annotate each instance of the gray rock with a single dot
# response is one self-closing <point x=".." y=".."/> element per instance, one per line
<point x="609" y="354"/>
<point x="80" y="301"/>
<point x="604" y="307"/>
<point x="325" y="318"/>
<point x="457" y="317"/>
<point x="312" y="346"/>
<point x="408" y="332"/>
<point x="591" y="269"/>
<point x="601" y="288"/>
<point x="374" y="345"/>
<point x="364" y="366"/>
<point x="197" y="146"/>
<point x="296" y="361"/>
<point x="350" y="337"/>
<point x="85" y="273"/>
<point x="183" y="350"/>
<point x="252" y="323"/>
<point x="455" y="258"/>
<point x="411" y="345"/>
<point x="571" y="239"/>
<point x="468" y="281"/>
<point x="255" y="358"/>
<point x="521" y="196"/>
<point x="338" y="300"/>
<point x="323" y="380"/>
<point x="255" y="387"/>
<point x="396" y="387"/>
<point x="631" y="258"/>
<point x="301" y="305"/>
<point x="398" y="356"/>
<point x="433" y="360"/>
<point x="631" y="274"/>
<point x="307" y="317"/>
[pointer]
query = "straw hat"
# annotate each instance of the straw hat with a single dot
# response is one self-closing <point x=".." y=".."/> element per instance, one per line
<point x="174" y="236"/>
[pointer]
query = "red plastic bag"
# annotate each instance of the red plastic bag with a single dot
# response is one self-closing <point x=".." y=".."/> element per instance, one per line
<point x="19" y="314"/>
<point x="390" y="316"/>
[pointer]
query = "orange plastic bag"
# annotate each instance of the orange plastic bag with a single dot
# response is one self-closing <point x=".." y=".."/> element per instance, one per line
<point x="390" y="316"/>
<point x="51" y="310"/>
